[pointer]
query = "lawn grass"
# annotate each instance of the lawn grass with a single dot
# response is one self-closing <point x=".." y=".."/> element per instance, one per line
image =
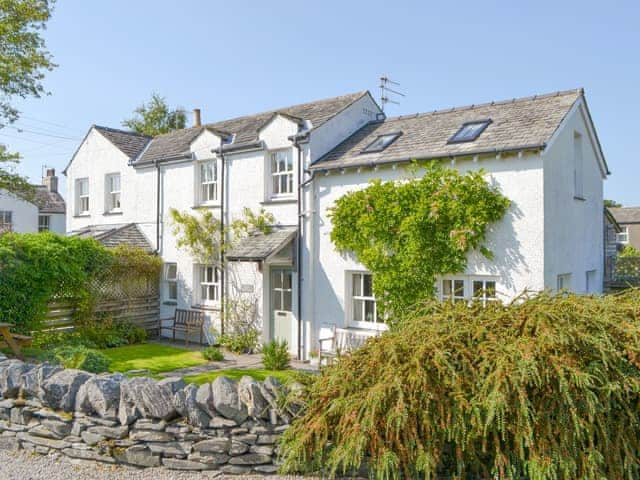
<point x="259" y="374"/>
<point x="152" y="357"/>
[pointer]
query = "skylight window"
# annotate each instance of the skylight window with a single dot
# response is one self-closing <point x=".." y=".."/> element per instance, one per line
<point x="469" y="131"/>
<point x="381" y="142"/>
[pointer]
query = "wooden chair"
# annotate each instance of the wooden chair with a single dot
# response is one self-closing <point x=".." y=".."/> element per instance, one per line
<point x="187" y="321"/>
<point x="343" y="341"/>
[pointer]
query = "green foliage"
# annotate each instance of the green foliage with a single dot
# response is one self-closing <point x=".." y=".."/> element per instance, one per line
<point x="23" y="63"/>
<point x="213" y="354"/>
<point x="611" y="203"/>
<point x="155" y="118"/>
<point x="198" y="234"/>
<point x="629" y="251"/>
<point x="406" y="233"/>
<point x="82" y="358"/>
<point x="245" y="341"/>
<point x="35" y="267"/>
<point x="547" y="388"/>
<point x="275" y="355"/>
<point x="253" y="222"/>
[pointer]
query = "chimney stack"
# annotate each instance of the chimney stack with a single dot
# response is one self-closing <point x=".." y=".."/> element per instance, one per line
<point x="196" y="118"/>
<point x="51" y="180"/>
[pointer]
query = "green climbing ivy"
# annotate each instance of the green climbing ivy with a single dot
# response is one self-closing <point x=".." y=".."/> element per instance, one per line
<point x="408" y="232"/>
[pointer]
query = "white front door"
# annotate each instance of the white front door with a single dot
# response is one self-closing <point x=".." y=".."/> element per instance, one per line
<point x="282" y="324"/>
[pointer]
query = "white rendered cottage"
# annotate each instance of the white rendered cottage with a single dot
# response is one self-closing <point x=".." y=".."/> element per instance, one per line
<point x="44" y="212"/>
<point x="542" y="151"/>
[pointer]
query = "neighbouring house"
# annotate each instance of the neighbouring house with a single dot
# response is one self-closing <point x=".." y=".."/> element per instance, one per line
<point x="542" y="152"/>
<point x="629" y="220"/>
<point x="46" y="211"/>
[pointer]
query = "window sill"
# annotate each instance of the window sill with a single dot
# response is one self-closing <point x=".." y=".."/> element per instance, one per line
<point x="577" y="197"/>
<point x="170" y="302"/>
<point x="209" y="308"/>
<point x="113" y="213"/>
<point x="206" y="205"/>
<point x="276" y="201"/>
<point x="82" y="215"/>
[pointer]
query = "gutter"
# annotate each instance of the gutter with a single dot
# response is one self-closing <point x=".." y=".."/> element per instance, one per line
<point x="317" y="166"/>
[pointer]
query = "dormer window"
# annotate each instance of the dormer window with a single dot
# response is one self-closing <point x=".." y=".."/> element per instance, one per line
<point x="381" y="142"/>
<point x="470" y="131"/>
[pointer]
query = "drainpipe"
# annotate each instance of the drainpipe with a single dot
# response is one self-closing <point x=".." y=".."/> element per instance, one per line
<point x="223" y="278"/>
<point x="157" y="162"/>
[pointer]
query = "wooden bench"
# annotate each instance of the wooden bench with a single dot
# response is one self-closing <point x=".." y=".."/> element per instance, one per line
<point x="187" y="321"/>
<point x="342" y="341"/>
<point x="13" y="340"/>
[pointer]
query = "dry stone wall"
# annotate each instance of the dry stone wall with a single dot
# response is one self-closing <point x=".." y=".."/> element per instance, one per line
<point x="225" y="425"/>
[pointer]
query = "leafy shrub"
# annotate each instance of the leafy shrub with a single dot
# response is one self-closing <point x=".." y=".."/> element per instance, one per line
<point x="275" y="355"/>
<point x="82" y="358"/>
<point x="53" y="340"/>
<point x="35" y="267"/>
<point x="213" y="354"/>
<point x="97" y="334"/>
<point x="242" y="342"/>
<point x="546" y="388"/>
<point x="629" y="251"/>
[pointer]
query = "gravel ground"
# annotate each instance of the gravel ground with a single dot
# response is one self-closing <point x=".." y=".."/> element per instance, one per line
<point x="23" y="466"/>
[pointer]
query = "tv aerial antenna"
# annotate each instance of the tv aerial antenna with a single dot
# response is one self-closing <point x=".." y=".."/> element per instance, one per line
<point x="385" y="90"/>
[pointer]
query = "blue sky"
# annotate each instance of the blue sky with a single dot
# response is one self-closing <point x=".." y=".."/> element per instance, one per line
<point x="232" y="58"/>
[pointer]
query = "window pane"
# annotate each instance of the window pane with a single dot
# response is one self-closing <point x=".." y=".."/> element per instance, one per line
<point x="357" y="285"/>
<point x="458" y="286"/>
<point x="490" y="289"/>
<point x="358" y="313"/>
<point x="276" y="184"/>
<point x="369" y="311"/>
<point x="276" y="300"/>
<point x="446" y="287"/>
<point x="287" y="280"/>
<point x="367" y="287"/>
<point x="286" y="300"/>
<point x="172" y="291"/>
<point x="283" y="184"/>
<point x="171" y="271"/>
<point x="477" y="288"/>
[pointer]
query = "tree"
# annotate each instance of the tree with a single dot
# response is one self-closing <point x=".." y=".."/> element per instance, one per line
<point x="155" y="117"/>
<point x="611" y="203"/>
<point x="408" y="232"/>
<point x="24" y="60"/>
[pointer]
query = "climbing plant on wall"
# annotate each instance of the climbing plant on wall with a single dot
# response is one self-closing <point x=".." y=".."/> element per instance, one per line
<point x="408" y="232"/>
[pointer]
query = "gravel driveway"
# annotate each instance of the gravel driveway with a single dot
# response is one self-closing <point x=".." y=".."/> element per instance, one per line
<point x="19" y="465"/>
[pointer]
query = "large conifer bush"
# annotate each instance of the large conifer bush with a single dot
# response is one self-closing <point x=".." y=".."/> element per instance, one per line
<point x="546" y="388"/>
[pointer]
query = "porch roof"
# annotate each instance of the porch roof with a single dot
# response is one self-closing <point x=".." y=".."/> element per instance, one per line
<point x="114" y="235"/>
<point x="258" y="246"/>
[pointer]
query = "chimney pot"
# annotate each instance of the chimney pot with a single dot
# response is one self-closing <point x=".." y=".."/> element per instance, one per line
<point x="196" y="118"/>
<point x="51" y="180"/>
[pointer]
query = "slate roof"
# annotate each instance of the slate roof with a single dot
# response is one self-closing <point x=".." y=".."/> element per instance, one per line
<point x="245" y="128"/>
<point x="48" y="202"/>
<point x="517" y="124"/>
<point x="258" y="246"/>
<point x="129" y="143"/>
<point x="114" y="235"/>
<point x="626" y="214"/>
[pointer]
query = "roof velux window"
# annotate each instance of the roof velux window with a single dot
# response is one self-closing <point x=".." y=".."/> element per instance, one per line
<point x="469" y="131"/>
<point x="381" y="142"/>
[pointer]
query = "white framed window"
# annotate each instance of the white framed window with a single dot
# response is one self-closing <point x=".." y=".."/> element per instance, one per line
<point x="578" y="180"/>
<point x="209" y="282"/>
<point x="363" y="310"/>
<point x="454" y="289"/>
<point x="208" y="181"/>
<point x="282" y="289"/>
<point x="82" y="196"/>
<point x="44" y="223"/>
<point x="281" y="167"/>
<point x="623" y="237"/>
<point x="564" y="281"/>
<point x="6" y="224"/>
<point x="483" y="290"/>
<point x="171" y="281"/>
<point x="113" y="192"/>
